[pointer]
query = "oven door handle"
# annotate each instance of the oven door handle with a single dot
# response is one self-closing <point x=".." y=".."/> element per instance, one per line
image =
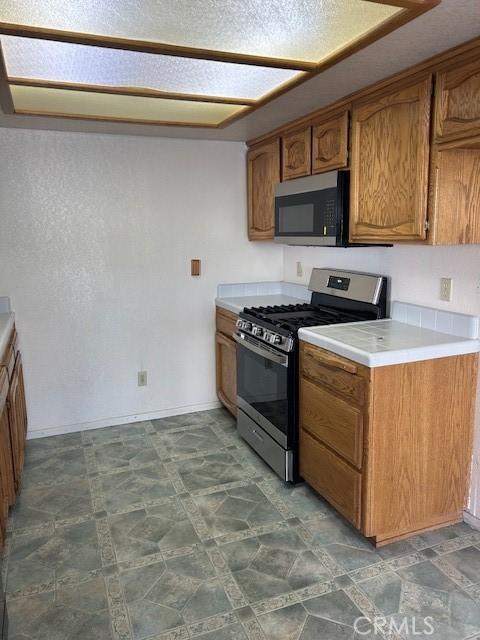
<point x="278" y="358"/>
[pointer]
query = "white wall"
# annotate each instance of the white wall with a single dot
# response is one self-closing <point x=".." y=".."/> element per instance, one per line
<point x="96" y="237"/>
<point x="415" y="272"/>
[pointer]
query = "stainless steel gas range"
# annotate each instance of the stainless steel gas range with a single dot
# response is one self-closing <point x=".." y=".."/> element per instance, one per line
<point x="267" y="358"/>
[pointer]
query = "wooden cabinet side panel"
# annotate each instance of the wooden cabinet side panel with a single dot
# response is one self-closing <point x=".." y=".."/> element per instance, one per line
<point x="330" y="144"/>
<point x="418" y="449"/>
<point x="226" y="365"/>
<point x="297" y="154"/>
<point x="389" y="166"/>
<point x="263" y="173"/>
<point x="454" y="206"/>
<point x="457" y="102"/>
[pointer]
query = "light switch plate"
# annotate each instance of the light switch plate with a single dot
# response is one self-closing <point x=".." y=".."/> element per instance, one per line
<point x="299" y="270"/>
<point x="142" y="378"/>
<point x="446" y="285"/>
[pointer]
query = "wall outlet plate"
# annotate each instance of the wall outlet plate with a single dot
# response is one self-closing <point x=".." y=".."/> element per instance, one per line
<point x="446" y="285"/>
<point x="142" y="378"/>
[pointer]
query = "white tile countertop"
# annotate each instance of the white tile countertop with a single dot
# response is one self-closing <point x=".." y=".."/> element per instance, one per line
<point x="7" y="321"/>
<point x="385" y="342"/>
<point x="235" y="297"/>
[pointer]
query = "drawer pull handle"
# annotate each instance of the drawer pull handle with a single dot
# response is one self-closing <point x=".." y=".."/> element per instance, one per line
<point x="332" y="361"/>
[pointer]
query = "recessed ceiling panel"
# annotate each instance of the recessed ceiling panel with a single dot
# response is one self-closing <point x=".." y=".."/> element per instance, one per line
<point x="82" y="64"/>
<point x="306" y="30"/>
<point x="40" y="100"/>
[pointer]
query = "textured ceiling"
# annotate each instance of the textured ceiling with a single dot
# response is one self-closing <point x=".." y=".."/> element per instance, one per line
<point x="450" y="23"/>
<point x="305" y="30"/>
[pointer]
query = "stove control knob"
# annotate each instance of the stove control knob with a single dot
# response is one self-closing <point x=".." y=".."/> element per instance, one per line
<point x="247" y="326"/>
<point x="240" y="324"/>
<point x="258" y="331"/>
<point x="277" y="339"/>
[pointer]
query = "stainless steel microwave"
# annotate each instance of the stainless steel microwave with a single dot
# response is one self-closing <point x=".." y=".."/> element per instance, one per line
<point x="313" y="210"/>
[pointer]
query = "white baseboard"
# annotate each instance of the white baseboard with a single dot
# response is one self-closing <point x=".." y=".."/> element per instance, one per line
<point x="113" y="422"/>
<point x="472" y="520"/>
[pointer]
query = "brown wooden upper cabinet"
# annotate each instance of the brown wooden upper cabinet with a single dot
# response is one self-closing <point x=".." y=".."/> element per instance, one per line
<point x="263" y="163"/>
<point x="454" y="208"/>
<point x="297" y="154"/>
<point x="330" y="144"/>
<point x="390" y="164"/>
<point x="457" y="101"/>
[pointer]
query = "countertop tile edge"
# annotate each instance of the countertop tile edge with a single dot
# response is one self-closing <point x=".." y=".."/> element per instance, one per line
<point x="387" y="358"/>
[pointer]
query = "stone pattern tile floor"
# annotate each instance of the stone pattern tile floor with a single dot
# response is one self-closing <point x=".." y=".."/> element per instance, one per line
<point x="174" y="529"/>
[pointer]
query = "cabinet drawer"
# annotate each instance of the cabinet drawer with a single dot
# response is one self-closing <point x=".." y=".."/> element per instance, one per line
<point x="333" y="478"/>
<point x="331" y="420"/>
<point x="226" y="321"/>
<point x="339" y="374"/>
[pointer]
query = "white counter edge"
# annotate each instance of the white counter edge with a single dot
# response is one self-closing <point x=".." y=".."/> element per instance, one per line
<point x="386" y="358"/>
<point x="224" y="303"/>
<point x="6" y="330"/>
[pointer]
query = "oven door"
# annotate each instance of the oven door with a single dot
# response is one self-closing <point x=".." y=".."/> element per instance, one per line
<point x="265" y="390"/>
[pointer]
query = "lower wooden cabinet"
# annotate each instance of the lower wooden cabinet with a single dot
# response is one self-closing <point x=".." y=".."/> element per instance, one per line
<point x="226" y="372"/>
<point x="331" y="476"/>
<point x="17" y="414"/>
<point x="7" y="483"/>
<point x="390" y="459"/>
<point x="226" y="359"/>
<point x="13" y="428"/>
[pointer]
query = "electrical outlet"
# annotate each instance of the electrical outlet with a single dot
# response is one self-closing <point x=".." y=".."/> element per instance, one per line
<point x="142" y="378"/>
<point x="299" y="270"/>
<point x="446" y="285"/>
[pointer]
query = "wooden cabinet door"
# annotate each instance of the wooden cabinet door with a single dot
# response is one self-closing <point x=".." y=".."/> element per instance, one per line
<point x="226" y="356"/>
<point x="332" y="477"/>
<point x="457" y="102"/>
<point x="297" y="154"/>
<point x="389" y="166"/>
<point x="7" y="483"/>
<point x="454" y="206"/>
<point x="330" y="144"/>
<point x="225" y="321"/>
<point x="17" y="413"/>
<point x="263" y="174"/>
